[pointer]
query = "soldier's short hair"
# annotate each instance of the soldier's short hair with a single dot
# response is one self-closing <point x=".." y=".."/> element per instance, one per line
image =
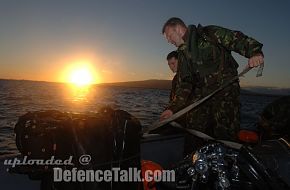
<point x="174" y="21"/>
<point x="172" y="54"/>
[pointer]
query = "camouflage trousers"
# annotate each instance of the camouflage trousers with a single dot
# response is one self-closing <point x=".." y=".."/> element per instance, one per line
<point x="219" y="116"/>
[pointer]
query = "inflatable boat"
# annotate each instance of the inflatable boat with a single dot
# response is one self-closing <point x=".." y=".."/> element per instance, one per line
<point x="113" y="138"/>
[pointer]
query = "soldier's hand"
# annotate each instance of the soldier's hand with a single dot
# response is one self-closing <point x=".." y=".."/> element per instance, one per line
<point x="256" y="60"/>
<point x="166" y="114"/>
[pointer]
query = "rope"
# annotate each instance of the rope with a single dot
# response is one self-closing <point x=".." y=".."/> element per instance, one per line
<point x="178" y="114"/>
<point x="206" y="137"/>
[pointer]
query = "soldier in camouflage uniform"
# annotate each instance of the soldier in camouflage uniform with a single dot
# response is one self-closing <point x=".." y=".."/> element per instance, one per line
<point x="172" y="60"/>
<point x="205" y="63"/>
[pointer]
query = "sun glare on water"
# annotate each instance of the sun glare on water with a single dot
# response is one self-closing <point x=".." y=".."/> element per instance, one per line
<point x="80" y="77"/>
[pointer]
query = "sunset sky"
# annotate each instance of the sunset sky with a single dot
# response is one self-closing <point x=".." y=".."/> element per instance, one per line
<point x="122" y="40"/>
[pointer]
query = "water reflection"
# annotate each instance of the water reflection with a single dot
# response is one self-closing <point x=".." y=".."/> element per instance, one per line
<point x="80" y="94"/>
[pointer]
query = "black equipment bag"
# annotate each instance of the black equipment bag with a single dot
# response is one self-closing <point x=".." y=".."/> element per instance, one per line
<point x="110" y="137"/>
<point x="267" y="165"/>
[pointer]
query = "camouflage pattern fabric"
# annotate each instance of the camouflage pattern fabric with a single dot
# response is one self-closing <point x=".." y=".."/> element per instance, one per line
<point x="205" y="62"/>
<point x="172" y="97"/>
<point x="173" y="89"/>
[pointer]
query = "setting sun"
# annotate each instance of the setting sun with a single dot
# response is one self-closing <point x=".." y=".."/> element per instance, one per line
<point x="81" y="73"/>
<point x="81" y="77"/>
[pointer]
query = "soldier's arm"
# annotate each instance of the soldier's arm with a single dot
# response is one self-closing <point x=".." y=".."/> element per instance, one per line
<point x="173" y="89"/>
<point x="183" y="89"/>
<point x="236" y="41"/>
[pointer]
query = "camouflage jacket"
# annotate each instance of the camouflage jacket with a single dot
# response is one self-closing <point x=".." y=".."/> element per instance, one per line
<point x="205" y="61"/>
<point x="173" y="89"/>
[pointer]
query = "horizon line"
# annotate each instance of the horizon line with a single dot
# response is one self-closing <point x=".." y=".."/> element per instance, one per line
<point x="242" y="86"/>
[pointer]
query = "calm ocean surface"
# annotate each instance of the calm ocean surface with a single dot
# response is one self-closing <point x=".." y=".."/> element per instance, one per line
<point x="19" y="97"/>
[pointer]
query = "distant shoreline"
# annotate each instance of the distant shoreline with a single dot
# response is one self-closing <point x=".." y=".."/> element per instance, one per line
<point x="166" y="85"/>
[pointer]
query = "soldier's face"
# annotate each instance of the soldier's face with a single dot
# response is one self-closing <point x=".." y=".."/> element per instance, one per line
<point x="173" y="35"/>
<point x="173" y="63"/>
